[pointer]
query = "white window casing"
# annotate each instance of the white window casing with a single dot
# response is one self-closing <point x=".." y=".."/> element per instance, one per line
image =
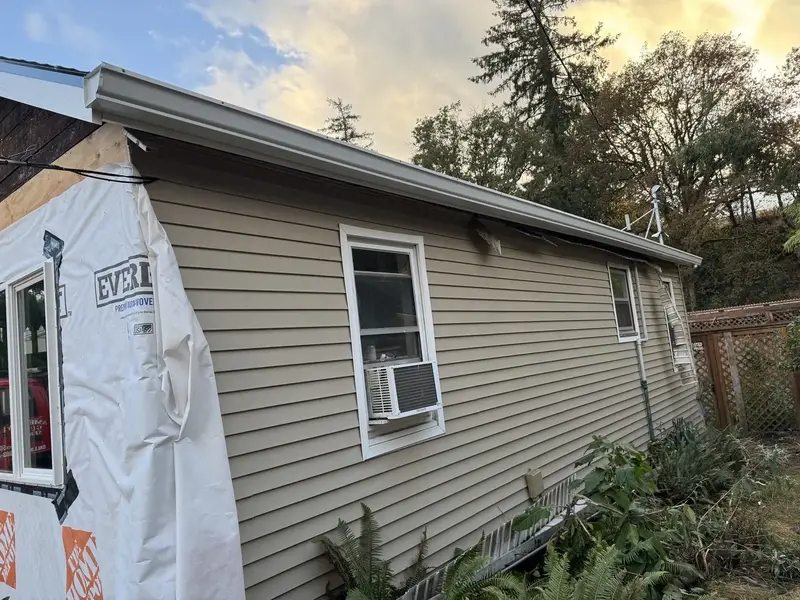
<point x="20" y="397"/>
<point x="639" y="303"/>
<point x="375" y="439"/>
<point x="625" y="300"/>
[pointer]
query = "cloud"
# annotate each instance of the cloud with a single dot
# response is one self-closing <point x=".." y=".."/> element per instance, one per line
<point x="35" y="27"/>
<point x="399" y="61"/>
<point x="60" y="27"/>
<point x="394" y="61"/>
<point x="78" y="35"/>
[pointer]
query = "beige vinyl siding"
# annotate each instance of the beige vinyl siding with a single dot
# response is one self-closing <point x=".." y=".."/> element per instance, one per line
<point x="526" y="343"/>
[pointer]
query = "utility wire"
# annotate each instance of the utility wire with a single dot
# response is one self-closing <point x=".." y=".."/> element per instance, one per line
<point x="537" y="17"/>
<point x="90" y="173"/>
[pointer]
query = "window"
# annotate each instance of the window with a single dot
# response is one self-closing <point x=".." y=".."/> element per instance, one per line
<point x="624" y="304"/>
<point x="30" y="399"/>
<point x="391" y="324"/>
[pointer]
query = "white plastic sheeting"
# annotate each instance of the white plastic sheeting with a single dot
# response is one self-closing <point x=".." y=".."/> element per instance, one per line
<point x="155" y="515"/>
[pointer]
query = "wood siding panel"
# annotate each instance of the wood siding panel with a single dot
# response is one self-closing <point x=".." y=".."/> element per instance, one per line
<point x="527" y="350"/>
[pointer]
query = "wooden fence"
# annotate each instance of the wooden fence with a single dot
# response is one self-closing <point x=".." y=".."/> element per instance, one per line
<point x="742" y="367"/>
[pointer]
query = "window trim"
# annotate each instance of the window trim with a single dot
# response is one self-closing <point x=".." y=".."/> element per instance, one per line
<point x="640" y="303"/>
<point x="39" y="477"/>
<point x="633" y="301"/>
<point x="351" y="236"/>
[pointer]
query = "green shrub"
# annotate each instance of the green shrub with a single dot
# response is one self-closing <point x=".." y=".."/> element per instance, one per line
<point x="604" y="577"/>
<point x="694" y="463"/>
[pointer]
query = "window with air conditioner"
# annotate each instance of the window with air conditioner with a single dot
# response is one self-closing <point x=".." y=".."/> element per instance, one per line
<point x="391" y="328"/>
<point x="31" y="450"/>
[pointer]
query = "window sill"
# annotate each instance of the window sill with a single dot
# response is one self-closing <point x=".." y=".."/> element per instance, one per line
<point x="39" y="482"/>
<point x="629" y="338"/>
<point x="391" y="442"/>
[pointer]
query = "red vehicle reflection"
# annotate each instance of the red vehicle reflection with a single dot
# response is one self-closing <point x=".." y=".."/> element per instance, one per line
<point x="39" y="407"/>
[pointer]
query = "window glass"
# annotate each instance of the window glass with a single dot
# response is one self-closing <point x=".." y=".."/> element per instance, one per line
<point x="623" y="307"/>
<point x="624" y="317"/>
<point x="385" y="301"/>
<point x="619" y="284"/>
<point x="36" y="411"/>
<point x="390" y="346"/>
<point x="5" y="392"/>
<point x="387" y="311"/>
<point x="376" y="261"/>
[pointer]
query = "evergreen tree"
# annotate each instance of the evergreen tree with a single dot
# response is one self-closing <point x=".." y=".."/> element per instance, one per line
<point x="524" y="65"/>
<point x="342" y="125"/>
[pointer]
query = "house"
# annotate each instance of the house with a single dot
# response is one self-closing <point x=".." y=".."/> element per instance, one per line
<point x="378" y="332"/>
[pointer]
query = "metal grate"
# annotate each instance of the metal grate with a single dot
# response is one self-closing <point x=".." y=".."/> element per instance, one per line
<point x="504" y="545"/>
<point x="416" y="386"/>
<point x="379" y="391"/>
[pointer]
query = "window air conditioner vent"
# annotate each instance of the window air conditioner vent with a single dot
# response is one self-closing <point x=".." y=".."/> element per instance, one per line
<point x="398" y="391"/>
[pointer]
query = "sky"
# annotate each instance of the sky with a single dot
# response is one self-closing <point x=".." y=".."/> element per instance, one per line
<point x="395" y="61"/>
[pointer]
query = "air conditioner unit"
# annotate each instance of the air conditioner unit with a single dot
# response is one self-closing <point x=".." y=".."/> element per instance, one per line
<point x="398" y="391"/>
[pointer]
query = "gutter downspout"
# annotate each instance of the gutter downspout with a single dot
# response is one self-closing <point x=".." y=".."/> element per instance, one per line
<point x="645" y="390"/>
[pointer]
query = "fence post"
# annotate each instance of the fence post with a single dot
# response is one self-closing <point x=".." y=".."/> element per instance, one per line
<point x="715" y="370"/>
<point x="733" y="364"/>
<point x="794" y="381"/>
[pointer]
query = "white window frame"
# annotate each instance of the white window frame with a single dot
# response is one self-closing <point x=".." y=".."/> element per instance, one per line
<point x="18" y="385"/>
<point x="640" y="304"/>
<point x="635" y="337"/>
<point x="371" y="239"/>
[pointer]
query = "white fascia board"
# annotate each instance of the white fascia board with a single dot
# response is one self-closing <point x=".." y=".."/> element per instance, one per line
<point x="56" y="97"/>
<point x="135" y="101"/>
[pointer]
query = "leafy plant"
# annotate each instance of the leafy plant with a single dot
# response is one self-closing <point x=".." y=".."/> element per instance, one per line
<point x="603" y="578"/>
<point x="694" y="463"/>
<point x="358" y="562"/>
<point x="418" y="570"/>
<point x="463" y="579"/>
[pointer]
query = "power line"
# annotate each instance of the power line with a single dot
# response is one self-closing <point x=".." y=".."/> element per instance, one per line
<point x="89" y="173"/>
<point x="583" y="98"/>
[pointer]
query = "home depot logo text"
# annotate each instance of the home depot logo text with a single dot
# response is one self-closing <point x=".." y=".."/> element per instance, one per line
<point x="123" y="280"/>
<point x="8" y="558"/>
<point x="83" y="570"/>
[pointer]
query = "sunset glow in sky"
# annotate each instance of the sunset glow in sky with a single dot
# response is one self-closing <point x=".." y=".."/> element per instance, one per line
<point x="394" y="61"/>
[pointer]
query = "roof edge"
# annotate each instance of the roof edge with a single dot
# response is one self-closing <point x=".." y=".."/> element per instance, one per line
<point x="133" y="100"/>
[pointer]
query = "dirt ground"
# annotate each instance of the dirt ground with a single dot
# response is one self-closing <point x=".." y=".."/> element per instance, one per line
<point x="781" y="508"/>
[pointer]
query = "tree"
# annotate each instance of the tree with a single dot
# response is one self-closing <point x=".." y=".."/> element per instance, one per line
<point x="793" y="214"/>
<point x="540" y="95"/>
<point x="489" y="147"/>
<point x="527" y="69"/>
<point x="342" y="125"/>
<point x="693" y="117"/>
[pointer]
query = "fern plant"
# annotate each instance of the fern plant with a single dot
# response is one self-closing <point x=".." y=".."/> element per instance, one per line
<point x="604" y="577"/>
<point x="357" y="560"/>
<point x="463" y="579"/>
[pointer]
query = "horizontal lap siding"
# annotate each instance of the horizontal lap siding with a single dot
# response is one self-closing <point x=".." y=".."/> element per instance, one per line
<point x="529" y="362"/>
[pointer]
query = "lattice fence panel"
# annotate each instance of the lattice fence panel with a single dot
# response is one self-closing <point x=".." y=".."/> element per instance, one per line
<point x="706" y="386"/>
<point x="766" y="390"/>
<point x="725" y="365"/>
<point x="725" y="322"/>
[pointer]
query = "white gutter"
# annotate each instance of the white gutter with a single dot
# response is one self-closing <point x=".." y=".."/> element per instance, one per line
<point x="132" y="100"/>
